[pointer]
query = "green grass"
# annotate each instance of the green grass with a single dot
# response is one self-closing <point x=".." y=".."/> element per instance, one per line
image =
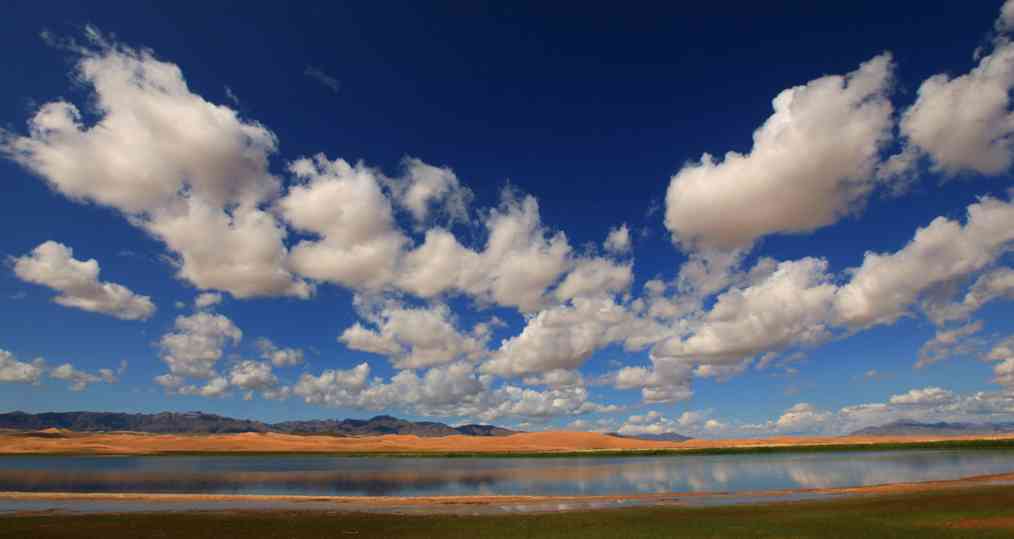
<point x="943" y="444"/>
<point x="924" y="515"/>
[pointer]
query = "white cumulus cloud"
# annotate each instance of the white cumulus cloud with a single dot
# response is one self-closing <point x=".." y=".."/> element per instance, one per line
<point x="812" y="162"/>
<point x="53" y="265"/>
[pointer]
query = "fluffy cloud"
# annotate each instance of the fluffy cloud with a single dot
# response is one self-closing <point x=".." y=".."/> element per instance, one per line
<point x="668" y="381"/>
<point x="252" y="375"/>
<point x="215" y="387"/>
<point x="800" y="418"/>
<point x="515" y="401"/>
<point x="943" y="252"/>
<point x="415" y="337"/>
<point x="693" y="422"/>
<point x="812" y="162"/>
<point x="788" y="307"/>
<point x="449" y="390"/>
<point x="12" y="370"/>
<point x="359" y="245"/>
<point x="1006" y="19"/>
<point x="333" y="387"/>
<point x="1003" y="354"/>
<point x="776" y="306"/>
<point x="279" y="357"/>
<point x="965" y="123"/>
<point x="192" y="173"/>
<point x="53" y="265"/>
<point x="424" y="188"/>
<point x="593" y="277"/>
<point x="928" y="396"/>
<point x="79" y="379"/>
<point x="518" y="263"/>
<point x="618" y="240"/>
<point x="947" y="343"/>
<point x="558" y="378"/>
<point x="563" y="337"/>
<point x="924" y="404"/>
<point x="207" y="299"/>
<point x="197" y="343"/>
<point x="453" y="390"/>
<point x="996" y="284"/>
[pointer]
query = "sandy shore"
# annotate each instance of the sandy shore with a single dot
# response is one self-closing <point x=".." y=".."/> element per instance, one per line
<point x="130" y="443"/>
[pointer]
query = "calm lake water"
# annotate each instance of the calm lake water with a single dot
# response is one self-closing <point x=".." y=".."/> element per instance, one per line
<point x="324" y="475"/>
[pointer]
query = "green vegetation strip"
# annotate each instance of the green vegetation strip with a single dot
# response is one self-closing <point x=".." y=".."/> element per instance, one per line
<point x="982" y="512"/>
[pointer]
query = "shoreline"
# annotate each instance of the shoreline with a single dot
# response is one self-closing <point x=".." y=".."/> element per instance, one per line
<point x="453" y="504"/>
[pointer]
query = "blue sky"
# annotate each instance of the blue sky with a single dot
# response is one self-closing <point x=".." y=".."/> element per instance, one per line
<point x="520" y="215"/>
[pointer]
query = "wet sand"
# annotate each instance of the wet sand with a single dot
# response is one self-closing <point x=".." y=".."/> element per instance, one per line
<point x="53" y="441"/>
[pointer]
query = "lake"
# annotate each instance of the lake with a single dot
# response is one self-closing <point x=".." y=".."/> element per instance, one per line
<point x="318" y="475"/>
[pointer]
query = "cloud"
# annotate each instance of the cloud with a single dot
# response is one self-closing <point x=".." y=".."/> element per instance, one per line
<point x="801" y="417"/>
<point x="451" y="390"/>
<point x="424" y="188"/>
<point x="52" y="264"/>
<point x="692" y="422"/>
<point x="1006" y="20"/>
<point x="12" y="370"/>
<point x="883" y="288"/>
<point x="776" y="306"/>
<point x="279" y="357"/>
<point x="252" y="375"/>
<point x="965" y="123"/>
<point x="603" y="425"/>
<point x="231" y="95"/>
<point x="618" y="240"/>
<point x="215" y="387"/>
<point x="1003" y="354"/>
<point x="563" y="337"/>
<point x="79" y="379"/>
<point x="948" y="343"/>
<point x="592" y="277"/>
<point x="359" y="245"/>
<point x="924" y="397"/>
<point x="996" y="284"/>
<point x="333" y="387"/>
<point x="788" y="307"/>
<point x="667" y="381"/>
<point x="558" y="378"/>
<point x="197" y="343"/>
<point x="207" y="299"/>
<point x="519" y="261"/>
<point x="414" y="338"/>
<point x="196" y="176"/>
<point x="327" y="80"/>
<point x="812" y="162"/>
<point x="191" y="173"/>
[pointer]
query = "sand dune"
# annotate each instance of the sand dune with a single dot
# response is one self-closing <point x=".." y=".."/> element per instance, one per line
<point x="129" y="443"/>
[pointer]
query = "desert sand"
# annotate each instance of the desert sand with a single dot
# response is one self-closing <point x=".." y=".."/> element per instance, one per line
<point x="54" y="441"/>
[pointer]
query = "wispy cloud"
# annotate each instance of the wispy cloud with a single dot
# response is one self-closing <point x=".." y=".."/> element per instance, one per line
<point x="231" y="95"/>
<point x="323" y="78"/>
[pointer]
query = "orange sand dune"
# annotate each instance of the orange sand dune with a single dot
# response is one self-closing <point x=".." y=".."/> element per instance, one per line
<point x="130" y="443"/>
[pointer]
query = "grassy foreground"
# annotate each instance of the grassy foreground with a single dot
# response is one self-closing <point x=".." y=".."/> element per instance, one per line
<point x="961" y="512"/>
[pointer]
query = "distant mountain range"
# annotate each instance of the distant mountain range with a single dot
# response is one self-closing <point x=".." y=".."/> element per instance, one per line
<point x="908" y="428"/>
<point x="664" y="437"/>
<point x="202" y="423"/>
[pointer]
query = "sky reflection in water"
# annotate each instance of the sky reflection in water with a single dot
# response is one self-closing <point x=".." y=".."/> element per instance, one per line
<point x="323" y="475"/>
